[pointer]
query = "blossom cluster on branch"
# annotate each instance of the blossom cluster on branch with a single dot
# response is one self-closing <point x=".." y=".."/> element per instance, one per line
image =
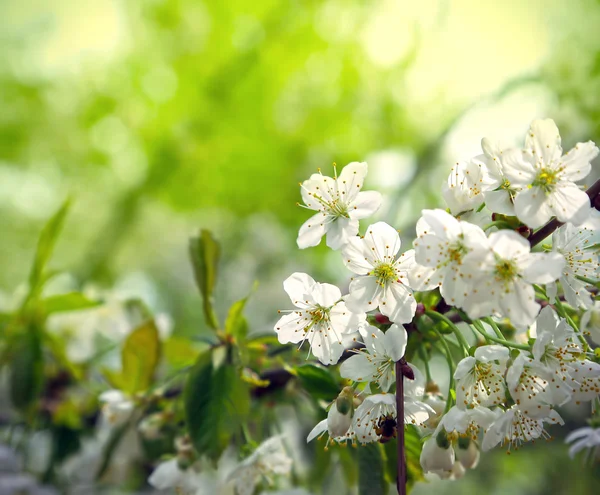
<point x="476" y="269"/>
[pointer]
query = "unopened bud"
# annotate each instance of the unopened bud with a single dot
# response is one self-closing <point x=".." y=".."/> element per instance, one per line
<point x="345" y="401"/>
<point x="382" y="319"/>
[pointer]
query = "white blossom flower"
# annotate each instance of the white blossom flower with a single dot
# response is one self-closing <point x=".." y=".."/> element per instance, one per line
<point x="480" y="379"/>
<point x="574" y="243"/>
<point x="467" y="455"/>
<point x="590" y="322"/>
<point x="169" y="475"/>
<point x="269" y="458"/>
<point x="466" y="422"/>
<point x="502" y="278"/>
<point x="441" y="245"/>
<point x="513" y="428"/>
<point x="340" y="204"/>
<point x="371" y="415"/>
<point x="531" y="387"/>
<point x="462" y="191"/>
<point x="376" y="362"/>
<point x="546" y="178"/>
<point x="586" y="438"/>
<point x="117" y="407"/>
<point x="321" y="318"/>
<point x="498" y="192"/>
<point x="383" y="275"/>
<point x="417" y="408"/>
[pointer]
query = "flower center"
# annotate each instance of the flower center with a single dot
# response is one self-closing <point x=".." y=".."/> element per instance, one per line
<point x="319" y="313"/>
<point x="456" y="252"/>
<point x="384" y="272"/>
<point x="546" y="180"/>
<point x="506" y="270"/>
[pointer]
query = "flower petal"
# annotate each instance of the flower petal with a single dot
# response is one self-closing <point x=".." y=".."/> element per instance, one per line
<point x="312" y="231"/>
<point x="398" y="303"/>
<point x="365" y="204"/>
<point x="395" y="340"/>
<point x="533" y="207"/>
<point x="576" y="162"/>
<point x="340" y="231"/>
<point x="543" y="141"/>
<point x="298" y="285"/>
<point x="570" y="204"/>
<point x="364" y="294"/>
<point x="383" y="240"/>
<point x="543" y="268"/>
<point x="351" y="180"/>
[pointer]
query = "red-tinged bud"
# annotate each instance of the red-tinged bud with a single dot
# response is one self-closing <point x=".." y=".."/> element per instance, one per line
<point x="524" y="231"/>
<point x="420" y="310"/>
<point x="406" y="370"/>
<point x="382" y="319"/>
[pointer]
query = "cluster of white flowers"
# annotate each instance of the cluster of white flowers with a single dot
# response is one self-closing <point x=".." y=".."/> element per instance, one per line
<point x="504" y="392"/>
<point x="229" y="478"/>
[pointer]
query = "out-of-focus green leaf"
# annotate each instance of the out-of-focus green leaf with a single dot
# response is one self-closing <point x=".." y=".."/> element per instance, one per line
<point x="235" y="323"/>
<point x="139" y="359"/>
<point x="216" y="402"/>
<point x="26" y="369"/>
<point x="413" y="446"/>
<point x="205" y="253"/>
<point x="72" y="301"/>
<point x="45" y="246"/>
<point x="180" y="352"/>
<point x="317" y="381"/>
<point x="370" y="470"/>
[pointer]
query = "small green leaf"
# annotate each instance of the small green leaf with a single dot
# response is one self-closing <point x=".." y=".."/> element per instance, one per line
<point x="317" y="381"/>
<point x="45" y="246"/>
<point x="235" y="323"/>
<point x="72" y="301"/>
<point x="370" y="470"/>
<point x="139" y="358"/>
<point x="216" y="402"/>
<point x="205" y="253"/>
<point x="26" y="369"/>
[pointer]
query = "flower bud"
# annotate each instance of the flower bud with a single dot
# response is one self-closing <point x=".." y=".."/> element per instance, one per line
<point x="344" y="401"/>
<point x="467" y="453"/>
<point x="436" y="458"/>
<point x="340" y="413"/>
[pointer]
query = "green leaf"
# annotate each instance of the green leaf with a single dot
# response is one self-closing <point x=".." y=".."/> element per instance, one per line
<point x="139" y="358"/>
<point x="205" y="253"/>
<point x="317" y="381"/>
<point x="216" y="402"/>
<point x="26" y="369"/>
<point x="235" y="323"/>
<point x="45" y="246"/>
<point x="370" y="470"/>
<point x="72" y="301"/>
<point x="412" y="447"/>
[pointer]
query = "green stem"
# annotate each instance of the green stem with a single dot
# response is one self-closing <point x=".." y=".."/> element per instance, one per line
<point x="562" y="311"/>
<point x="501" y="224"/>
<point x="493" y="324"/>
<point x="588" y="280"/>
<point x="445" y="350"/>
<point x="477" y="325"/>
<point x="423" y="357"/>
<point x="459" y="336"/>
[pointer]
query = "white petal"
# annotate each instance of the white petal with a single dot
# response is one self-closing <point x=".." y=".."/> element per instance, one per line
<point x="398" y="303"/>
<point x="500" y="201"/>
<point x="340" y="231"/>
<point x="364" y="294"/>
<point x="508" y="244"/>
<point x="383" y="240"/>
<point x="518" y="168"/>
<point x="543" y="268"/>
<point x="359" y="368"/>
<point x="395" y="342"/>
<point x="325" y="295"/>
<point x="488" y="353"/>
<point x="576" y="163"/>
<point x="357" y="256"/>
<point x="290" y="328"/>
<point x="519" y="305"/>
<point x="365" y="204"/>
<point x="570" y="204"/>
<point x="543" y="141"/>
<point x="351" y="180"/>
<point x="317" y="430"/>
<point x="441" y="223"/>
<point x="318" y="186"/>
<point x="464" y="367"/>
<point x="298" y="285"/>
<point x="533" y="207"/>
<point x="311" y="231"/>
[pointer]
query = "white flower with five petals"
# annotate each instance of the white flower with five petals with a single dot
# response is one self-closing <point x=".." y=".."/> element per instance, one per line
<point x="340" y="204"/>
<point x="503" y="276"/>
<point x="322" y="318"/>
<point x="546" y="178"/>
<point x="376" y="362"/>
<point x="383" y="280"/>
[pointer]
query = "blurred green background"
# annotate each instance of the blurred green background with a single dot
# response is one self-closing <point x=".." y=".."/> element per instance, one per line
<point x="160" y="117"/>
